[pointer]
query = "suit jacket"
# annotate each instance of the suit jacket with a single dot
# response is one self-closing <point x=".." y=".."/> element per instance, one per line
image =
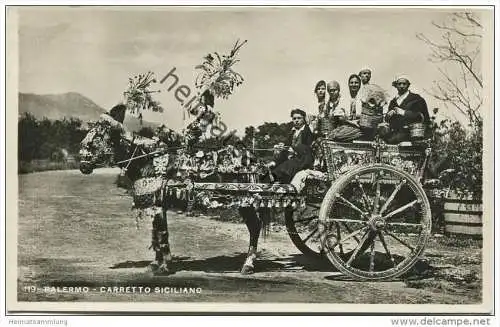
<point x="302" y="145"/>
<point x="305" y="137"/>
<point x="287" y="168"/>
<point x="414" y="106"/>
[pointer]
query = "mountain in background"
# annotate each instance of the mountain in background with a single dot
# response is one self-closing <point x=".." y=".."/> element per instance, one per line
<point x="72" y="104"/>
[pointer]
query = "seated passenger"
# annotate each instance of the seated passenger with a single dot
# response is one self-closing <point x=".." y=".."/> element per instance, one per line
<point x="297" y="154"/>
<point x="322" y="122"/>
<point x="312" y="120"/>
<point x="344" y="126"/>
<point x="354" y="84"/>
<point x="404" y="109"/>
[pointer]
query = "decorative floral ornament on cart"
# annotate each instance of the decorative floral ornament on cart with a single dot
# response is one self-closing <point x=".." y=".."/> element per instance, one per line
<point x="217" y="74"/>
<point x="138" y="96"/>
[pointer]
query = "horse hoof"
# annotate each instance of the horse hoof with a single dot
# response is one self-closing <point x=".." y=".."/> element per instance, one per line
<point x="163" y="270"/>
<point x="247" y="270"/>
<point x="153" y="267"/>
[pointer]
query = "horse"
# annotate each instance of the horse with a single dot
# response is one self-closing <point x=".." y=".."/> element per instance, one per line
<point x="108" y="143"/>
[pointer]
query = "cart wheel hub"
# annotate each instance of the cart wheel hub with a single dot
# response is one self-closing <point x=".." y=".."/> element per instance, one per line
<point x="376" y="222"/>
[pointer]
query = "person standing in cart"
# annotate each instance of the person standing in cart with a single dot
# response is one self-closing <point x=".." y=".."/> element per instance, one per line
<point x="320" y="91"/>
<point x="365" y="75"/>
<point x="313" y="120"/>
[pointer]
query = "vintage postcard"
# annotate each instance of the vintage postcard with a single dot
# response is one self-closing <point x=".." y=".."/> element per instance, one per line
<point x="249" y="159"/>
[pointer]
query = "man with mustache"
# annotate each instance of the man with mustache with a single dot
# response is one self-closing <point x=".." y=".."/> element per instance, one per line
<point x="404" y="109"/>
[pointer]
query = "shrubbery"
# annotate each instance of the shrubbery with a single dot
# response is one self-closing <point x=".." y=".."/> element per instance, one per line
<point x="463" y="151"/>
<point x="42" y="143"/>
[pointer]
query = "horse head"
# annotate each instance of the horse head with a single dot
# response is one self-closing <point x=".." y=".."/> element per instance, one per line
<point x="106" y="142"/>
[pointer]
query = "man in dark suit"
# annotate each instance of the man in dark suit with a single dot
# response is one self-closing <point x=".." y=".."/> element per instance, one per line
<point x="404" y="109"/>
<point x="297" y="154"/>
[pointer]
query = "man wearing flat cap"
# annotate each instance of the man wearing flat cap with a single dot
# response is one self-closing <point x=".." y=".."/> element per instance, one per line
<point x="297" y="154"/>
<point x="404" y="109"/>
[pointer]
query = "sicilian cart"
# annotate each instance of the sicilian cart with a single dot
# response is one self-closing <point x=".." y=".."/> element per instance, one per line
<point x="365" y="209"/>
<point x="367" y="213"/>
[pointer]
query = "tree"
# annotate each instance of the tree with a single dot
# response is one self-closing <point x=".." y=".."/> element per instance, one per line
<point x="458" y="53"/>
<point x="249" y="135"/>
<point x="267" y="135"/>
<point x="77" y="133"/>
<point x="28" y="137"/>
<point x="41" y="139"/>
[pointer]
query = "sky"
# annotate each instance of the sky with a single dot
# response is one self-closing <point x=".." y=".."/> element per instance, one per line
<point x="94" y="51"/>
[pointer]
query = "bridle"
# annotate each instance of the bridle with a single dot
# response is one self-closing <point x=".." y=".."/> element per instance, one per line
<point x="133" y="156"/>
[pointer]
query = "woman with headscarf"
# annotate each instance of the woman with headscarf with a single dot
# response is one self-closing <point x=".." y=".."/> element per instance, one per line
<point x="330" y="112"/>
<point x="320" y="91"/>
<point x="313" y="120"/>
<point x="354" y="84"/>
<point x="344" y="115"/>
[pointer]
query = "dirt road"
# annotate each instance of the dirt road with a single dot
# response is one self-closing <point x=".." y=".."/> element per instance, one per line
<point x="78" y="231"/>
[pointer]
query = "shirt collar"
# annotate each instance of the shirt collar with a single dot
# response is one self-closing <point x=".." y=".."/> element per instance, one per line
<point x="403" y="96"/>
<point x="299" y="129"/>
<point x="333" y="103"/>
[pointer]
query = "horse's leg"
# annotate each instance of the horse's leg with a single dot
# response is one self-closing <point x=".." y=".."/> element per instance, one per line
<point x="164" y="245"/>
<point x="160" y="243"/>
<point x="155" y="244"/>
<point x="254" y="225"/>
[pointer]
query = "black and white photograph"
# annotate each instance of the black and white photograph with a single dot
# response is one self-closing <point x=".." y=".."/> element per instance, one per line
<point x="249" y="159"/>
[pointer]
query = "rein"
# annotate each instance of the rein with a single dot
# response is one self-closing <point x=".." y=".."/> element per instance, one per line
<point x="131" y="157"/>
<point x="138" y="157"/>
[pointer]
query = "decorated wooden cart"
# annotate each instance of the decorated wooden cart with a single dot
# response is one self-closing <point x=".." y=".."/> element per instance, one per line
<point x="364" y="208"/>
<point x="368" y="213"/>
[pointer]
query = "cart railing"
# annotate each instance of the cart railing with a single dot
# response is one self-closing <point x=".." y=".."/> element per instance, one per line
<point x="342" y="157"/>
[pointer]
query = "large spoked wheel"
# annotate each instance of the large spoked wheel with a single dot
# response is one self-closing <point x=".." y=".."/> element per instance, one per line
<point x="303" y="229"/>
<point x="374" y="222"/>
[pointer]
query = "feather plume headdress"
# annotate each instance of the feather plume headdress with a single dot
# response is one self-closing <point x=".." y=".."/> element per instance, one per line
<point x="138" y="96"/>
<point x="217" y="74"/>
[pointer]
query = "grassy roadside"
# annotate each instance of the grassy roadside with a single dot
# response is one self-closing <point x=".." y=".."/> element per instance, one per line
<point x="451" y="265"/>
